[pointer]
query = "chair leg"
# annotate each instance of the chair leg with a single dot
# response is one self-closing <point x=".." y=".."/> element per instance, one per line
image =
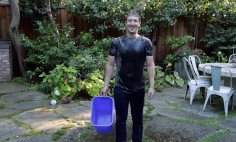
<point x="192" y="94"/>
<point x="226" y="105"/>
<point x="206" y="100"/>
<point x="232" y="101"/>
<point x="186" y="92"/>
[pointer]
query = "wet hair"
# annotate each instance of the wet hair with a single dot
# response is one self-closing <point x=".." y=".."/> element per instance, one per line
<point x="134" y="13"/>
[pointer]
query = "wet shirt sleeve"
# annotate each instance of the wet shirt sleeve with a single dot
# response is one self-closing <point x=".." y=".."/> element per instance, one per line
<point x="149" y="48"/>
<point x="112" y="51"/>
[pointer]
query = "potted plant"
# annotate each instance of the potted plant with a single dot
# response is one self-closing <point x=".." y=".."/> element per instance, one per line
<point x="181" y="48"/>
<point x="165" y="78"/>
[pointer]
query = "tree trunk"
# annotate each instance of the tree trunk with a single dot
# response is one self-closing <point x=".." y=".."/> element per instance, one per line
<point x="49" y="12"/>
<point x="14" y="33"/>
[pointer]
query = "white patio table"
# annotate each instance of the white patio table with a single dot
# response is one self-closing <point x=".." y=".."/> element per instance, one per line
<point x="224" y="73"/>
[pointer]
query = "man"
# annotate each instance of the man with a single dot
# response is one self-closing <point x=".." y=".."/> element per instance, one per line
<point x="130" y="52"/>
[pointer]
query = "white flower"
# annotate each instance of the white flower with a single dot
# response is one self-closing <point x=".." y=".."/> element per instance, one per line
<point x="57" y="92"/>
<point x="219" y="53"/>
<point x="53" y="102"/>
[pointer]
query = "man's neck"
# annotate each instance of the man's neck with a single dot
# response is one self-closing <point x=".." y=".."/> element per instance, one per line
<point x="135" y="35"/>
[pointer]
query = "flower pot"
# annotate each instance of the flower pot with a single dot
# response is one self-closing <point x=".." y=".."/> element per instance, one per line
<point x="179" y="67"/>
<point x="66" y="99"/>
<point x="159" y="88"/>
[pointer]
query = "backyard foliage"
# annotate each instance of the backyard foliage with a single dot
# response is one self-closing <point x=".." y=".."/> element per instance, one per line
<point x="87" y="55"/>
<point x="59" y="61"/>
<point x="221" y="34"/>
<point x="49" y="49"/>
<point x="61" y="81"/>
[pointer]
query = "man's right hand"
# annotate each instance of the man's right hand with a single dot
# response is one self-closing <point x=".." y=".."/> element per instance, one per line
<point x="104" y="91"/>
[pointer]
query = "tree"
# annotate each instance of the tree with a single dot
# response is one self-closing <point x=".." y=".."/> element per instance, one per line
<point x="49" y="12"/>
<point x="14" y="33"/>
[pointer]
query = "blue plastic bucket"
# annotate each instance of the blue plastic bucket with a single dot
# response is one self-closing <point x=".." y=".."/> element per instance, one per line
<point x="102" y="114"/>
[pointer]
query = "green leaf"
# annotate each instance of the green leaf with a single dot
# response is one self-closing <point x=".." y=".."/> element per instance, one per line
<point x="180" y="82"/>
<point x="168" y="78"/>
<point x="176" y="75"/>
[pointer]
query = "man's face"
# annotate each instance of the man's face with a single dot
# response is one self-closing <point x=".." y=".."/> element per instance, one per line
<point x="132" y="24"/>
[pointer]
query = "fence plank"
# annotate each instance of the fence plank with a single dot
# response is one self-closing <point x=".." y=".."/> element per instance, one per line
<point x="5" y="17"/>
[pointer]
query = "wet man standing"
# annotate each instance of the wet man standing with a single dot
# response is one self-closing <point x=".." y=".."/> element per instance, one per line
<point x="130" y="53"/>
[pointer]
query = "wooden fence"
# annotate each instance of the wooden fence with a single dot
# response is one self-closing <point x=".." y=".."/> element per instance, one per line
<point x="5" y="17"/>
<point x="158" y="37"/>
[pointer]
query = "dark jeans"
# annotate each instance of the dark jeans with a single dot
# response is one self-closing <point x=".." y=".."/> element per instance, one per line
<point x="122" y="99"/>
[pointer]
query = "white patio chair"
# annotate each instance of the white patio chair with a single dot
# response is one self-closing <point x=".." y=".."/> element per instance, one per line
<point x="193" y="83"/>
<point x="195" y="61"/>
<point x="226" y="92"/>
<point x="232" y="57"/>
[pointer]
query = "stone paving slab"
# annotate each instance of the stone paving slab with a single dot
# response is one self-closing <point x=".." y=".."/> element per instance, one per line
<point x="226" y="138"/>
<point x="12" y="87"/>
<point x="26" y="105"/>
<point x="33" y="109"/>
<point x="37" y="138"/>
<point x="229" y="124"/>
<point x="175" y="92"/>
<point x="180" y="115"/>
<point x="46" y="103"/>
<point x="77" y="113"/>
<point x="7" y="111"/>
<point x="85" y="103"/>
<point x="196" y="108"/>
<point x="42" y="120"/>
<point x="172" y="99"/>
<point x="8" y="129"/>
<point x="159" y="102"/>
<point x="24" y="96"/>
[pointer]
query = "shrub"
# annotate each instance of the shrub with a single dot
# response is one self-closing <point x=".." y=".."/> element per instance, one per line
<point x="62" y="81"/>
<point x="92" y="55"/>
<point x="49" y="49"/>
<point x="180" y="46"/>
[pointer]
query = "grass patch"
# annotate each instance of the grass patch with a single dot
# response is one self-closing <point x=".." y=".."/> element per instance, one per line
<point x="26" y="126"/>
<point x="21" y="124"/>
<point x="9" y="116"/>
<point x="20" y="80"/>
<point x="150" y="107"/>
<point x="2" y="104"/>
<point x="213" y="137"/>
<point x="86" y="132"/>
<point x="57" y="135"/>
<point x="175" y="105"/>
<point x="147" y="139"/>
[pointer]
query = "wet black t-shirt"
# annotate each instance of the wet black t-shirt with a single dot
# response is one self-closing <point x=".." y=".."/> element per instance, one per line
<point x="130" y="55"/>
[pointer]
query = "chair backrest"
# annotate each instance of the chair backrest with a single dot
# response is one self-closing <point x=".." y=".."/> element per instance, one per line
<point x="194" y="61"/>
<point x="232" y="57"/>
<point x="189" y="70"/>
<point x="216" y="76"/>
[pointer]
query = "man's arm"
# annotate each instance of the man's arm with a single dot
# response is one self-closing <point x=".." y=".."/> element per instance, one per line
<point x="108" y="74"/>
<point x="151" y="73"/>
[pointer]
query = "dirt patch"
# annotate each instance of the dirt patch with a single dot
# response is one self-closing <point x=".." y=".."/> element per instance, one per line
<point x="166" y="130"/>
